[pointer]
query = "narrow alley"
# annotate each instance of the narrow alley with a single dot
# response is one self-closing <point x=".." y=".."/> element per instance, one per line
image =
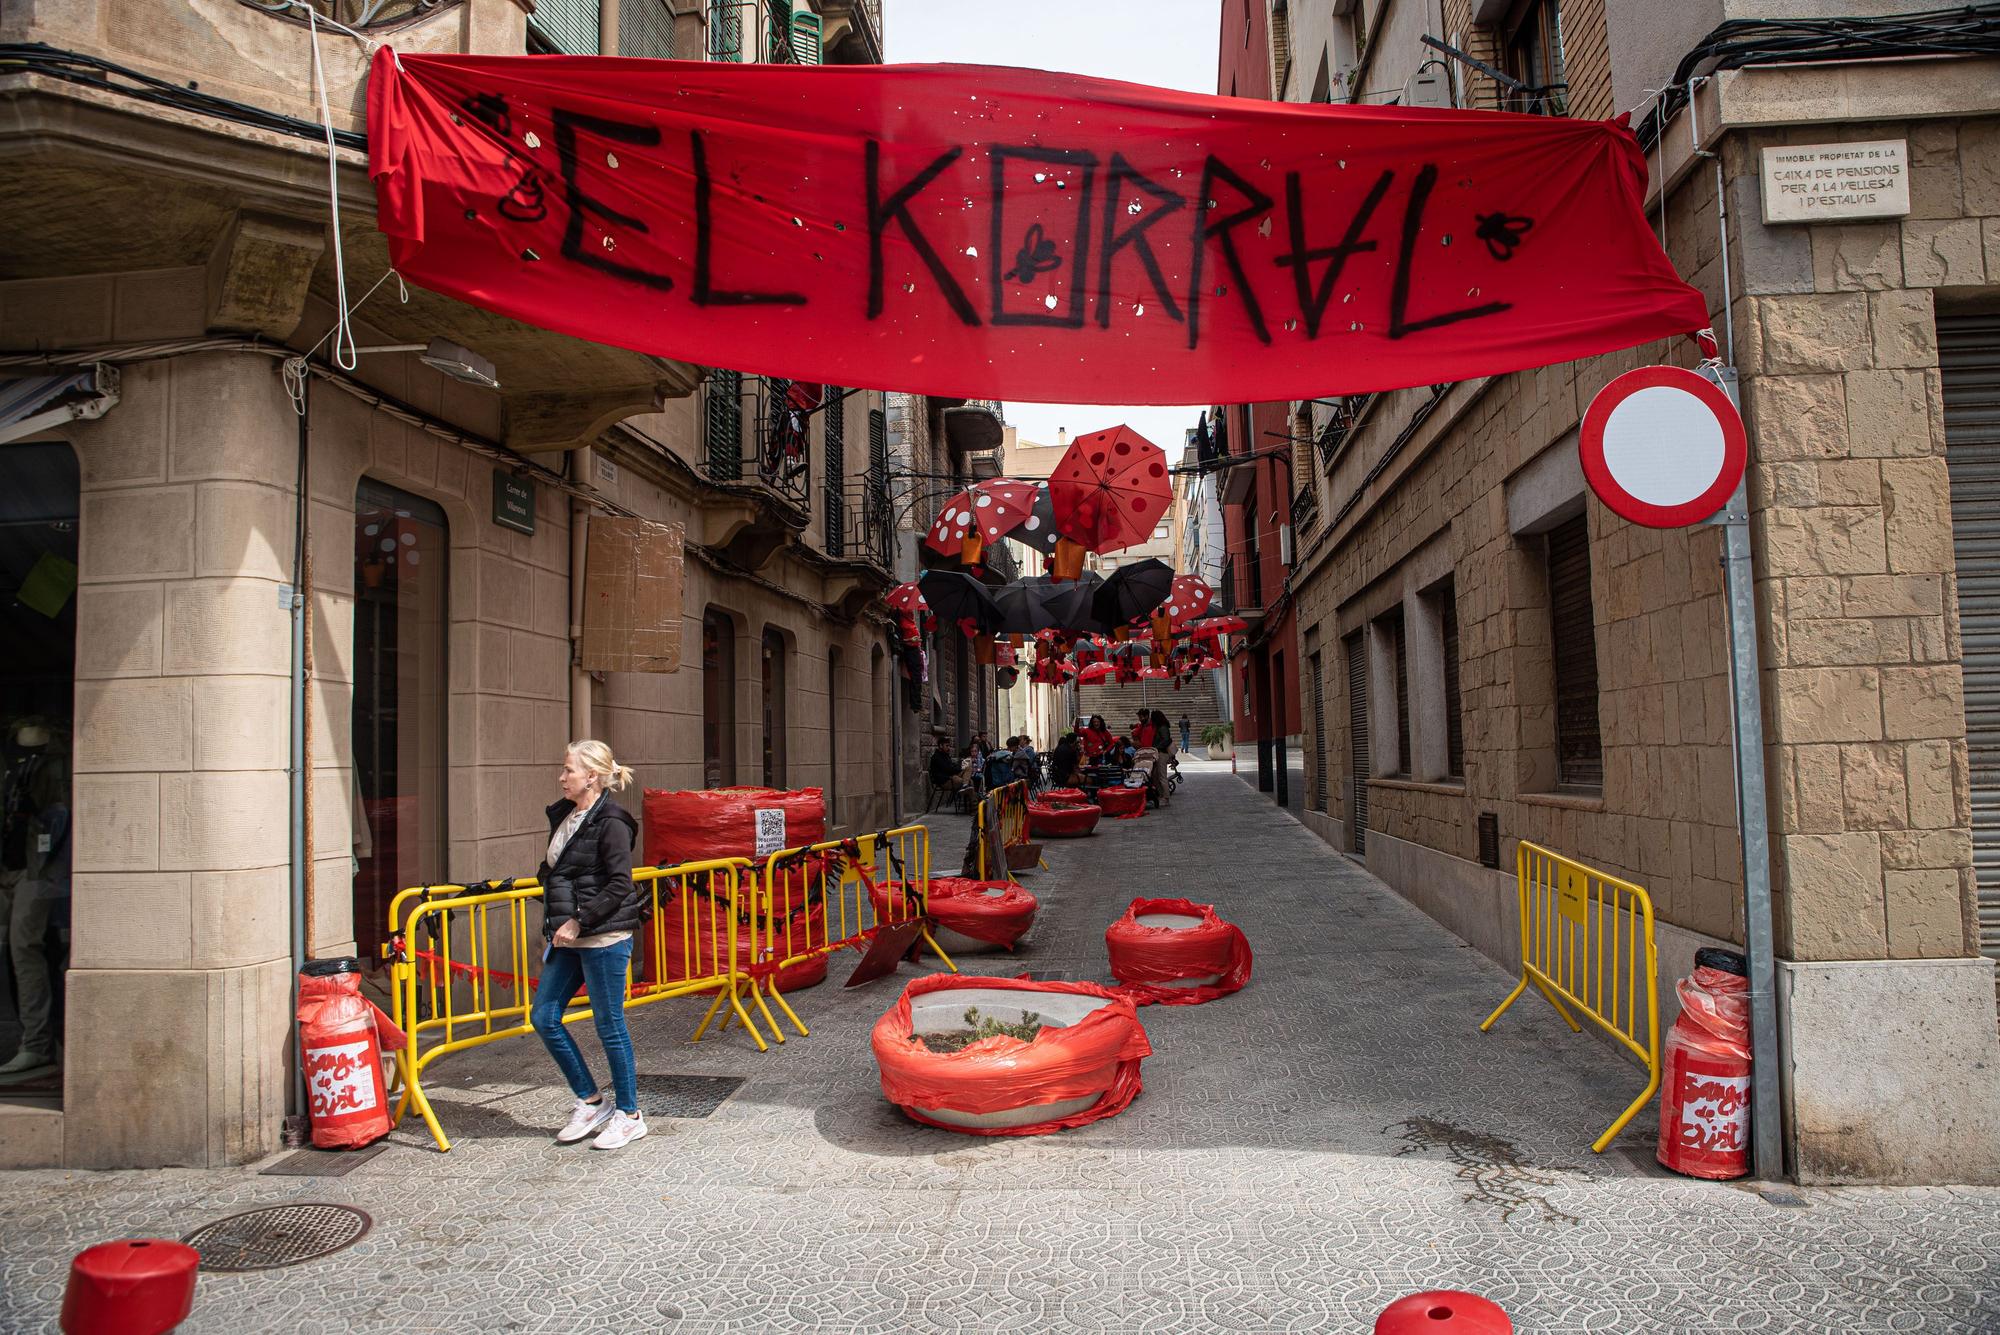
<point x="1336" y="1134"/>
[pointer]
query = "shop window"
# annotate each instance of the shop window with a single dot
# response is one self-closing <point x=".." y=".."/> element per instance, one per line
<point x="39" y="493"/>
<point x="774" y="709"/>
<point x="401" y="575"/>
<point x="718" y="700"/>
<point x="1573" y="638"/>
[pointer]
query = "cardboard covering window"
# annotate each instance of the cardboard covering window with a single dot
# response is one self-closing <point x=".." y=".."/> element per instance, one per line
<point x="632" y="579"/>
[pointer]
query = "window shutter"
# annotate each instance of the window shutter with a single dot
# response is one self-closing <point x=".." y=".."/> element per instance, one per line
<point x="1318" y="787"/>
<point x="806" y="34"/>
<point x="646" y="28"/>
<point x="835" y="431"/>
<point x="1281" y="49"/>
<point x="569" y="26"/>
<point x="722" y="426"/>
<point x="1357" y="741"/>
<point x="1573" y="633"/>
<point x="725" y="29"/>
<point x="1454" y="722"/>
<point x="1402" y="642"/>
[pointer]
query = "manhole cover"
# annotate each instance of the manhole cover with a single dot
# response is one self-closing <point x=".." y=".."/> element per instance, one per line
<point x="685" y="1095"/>
<point x="279" y="1235"/>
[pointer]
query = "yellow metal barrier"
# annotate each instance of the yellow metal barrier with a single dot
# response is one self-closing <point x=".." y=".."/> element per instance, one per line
<point x="808" y="902"/>
<point x="1587" y="938"/>
<point x="464" y="961"/>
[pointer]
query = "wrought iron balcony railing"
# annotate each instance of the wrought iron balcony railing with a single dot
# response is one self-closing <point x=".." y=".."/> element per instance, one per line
<point x="772" y="449"/>
<point x="1305" y="510"/>
<point x="859" y="523"/>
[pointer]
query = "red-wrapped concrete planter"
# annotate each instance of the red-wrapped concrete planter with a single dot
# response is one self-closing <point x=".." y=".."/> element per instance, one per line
<point x="1122" y="801"/>
<point x="972" y="917"/>
<point x="1062" y="822"/>
<point x="1062" y="797"/>
<point x="676" y="936"/>
<point x="1083" y="1066"/>
<point x="1176" y="952"/>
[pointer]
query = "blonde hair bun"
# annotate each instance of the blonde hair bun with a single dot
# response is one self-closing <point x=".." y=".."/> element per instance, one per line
<point x="597" y="760"/>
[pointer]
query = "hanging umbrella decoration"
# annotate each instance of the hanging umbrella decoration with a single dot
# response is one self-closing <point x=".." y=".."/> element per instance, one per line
<point x="1187" y="598"/>
<point x="913" y="614"/>
<point x="1132" y="592"/>
<point x="1107" y="493"/>
<point x="979" y="516"/>
<point x="1094" y="672"/>
<point x="1038" y="528"/>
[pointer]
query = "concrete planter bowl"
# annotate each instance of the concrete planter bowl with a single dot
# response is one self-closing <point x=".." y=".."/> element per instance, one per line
<point x="1122" y="801"/>
<point x="1083" y="1066"/>
<point x="1176" y="952"/>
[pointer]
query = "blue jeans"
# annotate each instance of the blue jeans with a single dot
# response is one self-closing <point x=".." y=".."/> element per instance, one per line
<point x="603" y="970"/>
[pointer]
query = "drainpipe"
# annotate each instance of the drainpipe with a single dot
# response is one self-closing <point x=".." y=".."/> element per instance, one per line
<point x="292" y="599"/>
<point x="579" y="546"/>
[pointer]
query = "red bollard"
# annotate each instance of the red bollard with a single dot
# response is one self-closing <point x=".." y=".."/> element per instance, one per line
<point x="1443" y="1312"/>
<point x="140" y="1286"/>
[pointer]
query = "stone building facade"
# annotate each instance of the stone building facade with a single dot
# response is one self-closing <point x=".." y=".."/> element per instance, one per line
<point x="189" y="255"/>
<point x="1484" y="642"/>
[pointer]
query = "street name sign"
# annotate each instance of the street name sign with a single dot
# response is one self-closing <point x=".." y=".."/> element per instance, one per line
<point x="1662" y="446"/>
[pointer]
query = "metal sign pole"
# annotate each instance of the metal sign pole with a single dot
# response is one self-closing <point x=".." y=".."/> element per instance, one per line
<point x="1753" y="821"/>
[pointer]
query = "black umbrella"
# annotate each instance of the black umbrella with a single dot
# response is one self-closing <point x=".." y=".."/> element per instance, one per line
<point x="1039" y="603"/>
<point x="1130" y="592"/>
<point x="1038" y="530"/>
<point x="958" y="598"/>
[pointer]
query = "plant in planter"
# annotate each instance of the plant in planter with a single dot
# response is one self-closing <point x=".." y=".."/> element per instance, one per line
<point x="1009" y="1056"/>
<point x="1216" y="738"/>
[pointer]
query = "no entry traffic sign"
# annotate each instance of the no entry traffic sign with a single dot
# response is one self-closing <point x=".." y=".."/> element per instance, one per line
<point x="1662" y="446"/>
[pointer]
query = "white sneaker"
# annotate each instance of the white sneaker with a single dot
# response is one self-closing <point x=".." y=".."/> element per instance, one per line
<point x="621" y="1132"/>
<point x="586" y="1119"/>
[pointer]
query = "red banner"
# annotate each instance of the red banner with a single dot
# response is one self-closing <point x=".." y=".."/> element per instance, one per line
<point x="1013" y="234"/>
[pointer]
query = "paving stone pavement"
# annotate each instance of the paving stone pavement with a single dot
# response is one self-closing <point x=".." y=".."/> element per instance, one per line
<point x="1334" y="1136"/>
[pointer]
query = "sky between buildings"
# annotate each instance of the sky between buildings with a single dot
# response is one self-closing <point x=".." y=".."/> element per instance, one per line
<point x="1166" y="43"/>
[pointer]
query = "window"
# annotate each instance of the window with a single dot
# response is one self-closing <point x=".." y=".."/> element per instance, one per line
<point x="774" y="709"/>
<point x="1399" y="641"/>
<point x="722" y="425"/>
<point x="1443" y="600"/>
<point x="833" y="429"/>
<point x="1357" y="743"/>
<point x="646" y="28"/>
<point x="833" y="735"/>
<point x="1534" y="55"/>
<point x="1161" y="531"/>
<point x="398" y="725"/>
<point x="1316" y="789"/>
<point x="566" y="27"/>
<point x="1281" y="49"/>
<point x="1573" y="636"/>
<point x="718" y="700"/>
<point x="725" y="30"/>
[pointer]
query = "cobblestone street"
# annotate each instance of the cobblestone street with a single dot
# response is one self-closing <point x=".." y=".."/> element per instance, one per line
<point x="1334" y="1136"/>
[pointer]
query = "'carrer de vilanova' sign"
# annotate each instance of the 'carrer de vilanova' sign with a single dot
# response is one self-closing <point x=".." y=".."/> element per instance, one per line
<point x="1836" y="182"/>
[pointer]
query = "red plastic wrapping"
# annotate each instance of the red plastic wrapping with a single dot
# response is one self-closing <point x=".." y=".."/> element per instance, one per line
<point x="808" y="929"/>
<point x="1063" y="797"/>
<point x="695" y="826"/>
<point x="1705" y="1078"/>
<point x="966" y="907"/>
<point x="1064" y="822"/>
<point x="996" y="1074"/>
<point x="1120" y="802"/>
<point x="341" y="1039"/>
<point x="1144" y="958"/>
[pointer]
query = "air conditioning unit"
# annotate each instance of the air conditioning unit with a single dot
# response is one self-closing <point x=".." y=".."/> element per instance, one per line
<point x="1428" y="87"/>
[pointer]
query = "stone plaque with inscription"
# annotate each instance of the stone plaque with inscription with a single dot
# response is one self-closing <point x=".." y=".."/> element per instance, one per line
<point x="1836" y="182"/>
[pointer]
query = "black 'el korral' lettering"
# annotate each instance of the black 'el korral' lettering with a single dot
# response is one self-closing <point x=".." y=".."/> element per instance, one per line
<point x="567" y="123"/>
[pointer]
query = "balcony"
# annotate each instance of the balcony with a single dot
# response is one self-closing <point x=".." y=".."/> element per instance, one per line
<point x="1239" y="592"/>
<point x="762" y="466"/>
<point x="859" y="542"/>
<point x="1305" y="511"/>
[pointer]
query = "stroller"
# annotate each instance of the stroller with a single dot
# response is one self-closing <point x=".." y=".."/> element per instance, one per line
<point x="1173" y="773"/>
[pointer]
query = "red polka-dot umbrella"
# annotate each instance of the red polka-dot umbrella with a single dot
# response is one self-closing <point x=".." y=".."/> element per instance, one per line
<point x="1110" y="489"/>
<point x="1187" y="598"/>
<point x="980" y="515"/>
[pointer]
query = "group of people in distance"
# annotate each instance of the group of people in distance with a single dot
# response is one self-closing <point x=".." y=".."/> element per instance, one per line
<point x="982" y="765"/>
<point x="1146" y="749"/>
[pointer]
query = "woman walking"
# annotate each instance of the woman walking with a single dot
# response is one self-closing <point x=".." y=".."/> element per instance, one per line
<point x="590" y="909"/>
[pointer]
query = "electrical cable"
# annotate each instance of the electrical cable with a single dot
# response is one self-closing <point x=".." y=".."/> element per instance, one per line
<point x="1963" y="30"/>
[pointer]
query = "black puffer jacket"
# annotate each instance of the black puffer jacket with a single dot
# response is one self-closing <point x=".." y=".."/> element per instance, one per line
<point x="592" y="880"/>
